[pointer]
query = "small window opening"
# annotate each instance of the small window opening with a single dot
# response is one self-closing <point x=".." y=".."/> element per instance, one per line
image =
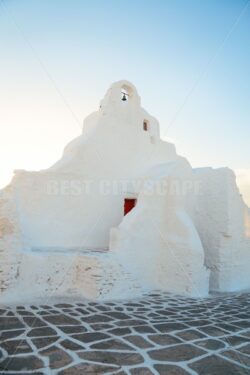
<point x="129" y="204"/>
<point x="145" y="125"/>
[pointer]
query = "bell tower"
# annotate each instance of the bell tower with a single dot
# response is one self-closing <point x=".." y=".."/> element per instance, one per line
<point x="120" y="96"/>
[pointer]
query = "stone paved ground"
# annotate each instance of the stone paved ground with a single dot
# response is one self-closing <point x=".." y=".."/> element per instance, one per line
<point x="158" y="334"/>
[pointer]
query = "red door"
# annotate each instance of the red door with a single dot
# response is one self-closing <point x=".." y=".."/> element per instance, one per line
<point x="129" y="204"/>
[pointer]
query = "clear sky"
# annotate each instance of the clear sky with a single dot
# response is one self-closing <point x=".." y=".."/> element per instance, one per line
<point x="189" y="59"/>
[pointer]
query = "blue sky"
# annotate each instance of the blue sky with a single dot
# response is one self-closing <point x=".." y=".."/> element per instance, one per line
<point x="189" y="59"/>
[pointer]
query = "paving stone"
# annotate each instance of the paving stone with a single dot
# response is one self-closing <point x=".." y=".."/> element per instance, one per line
<point x="101" y="326"/>
<point x="245" y="349"/>
<point x="82" y="311"/>
<point x="71" y="312"/>
<point x="102" y="308"/>
<point x="144" y="329"/>
<point x="73" y="329"/>
<point x="10" y="323"/>
<point x="10" y="313"/>
<point x="88" y="369"/>
<point x="91" y="311"/>
<point x="169" y="327"/>
<point x="57" y="357"/>
<point x="228" y="327"/>
<point x="130" y="323"/>
<point x="164" y="339"/>
<point x="22" y="363"/>
<point x="112" y="344"/>
<point x="61" y="319"/>
<point x="115" y="358"/>
<point x="138" y="341"/>
<point x="141" y="371"/>
<point x="91" y="336"/>
<point x="26" y="313"/>
<point x="118" y="315"/>
<point x="190" y="335"/>
<point x="34" y="307"/>
<point x="34" y="322"/>
<point x="214" y="365"/>
<point x="95" y="318"/>
<point x="11" y="334"/>
<point x="170" y="370"/>
<point x="16" y="347"/>
<point x="199" y="323"/>
<point x="43" y="332"/>
<point x="243" y="316"/>
<point x="237" y="356"/>
<point x="71" y="345"/>
<point x="213" y="331"/>
<point x="166" y="312"/>
<point x="182" y="352"/>
<point x="210" y="344"/>
<point x="48" y="312"/>
<point x="234" y="340"/>
<point x="62" y="305"/>
<point x="42" y="342"/>
<point x="242" y="324"/>
<point x="120" y="331"/>
<point x="154" y="315"/>
<point x="246" y="333"/>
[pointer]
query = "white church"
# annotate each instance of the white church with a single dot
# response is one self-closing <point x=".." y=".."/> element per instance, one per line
<point x="122" y="214"/>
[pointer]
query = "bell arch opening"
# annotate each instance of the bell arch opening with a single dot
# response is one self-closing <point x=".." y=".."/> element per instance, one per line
<point x="126" y="93"/>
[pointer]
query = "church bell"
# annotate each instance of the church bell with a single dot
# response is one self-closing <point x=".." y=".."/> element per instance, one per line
<point x="124" y="98"/>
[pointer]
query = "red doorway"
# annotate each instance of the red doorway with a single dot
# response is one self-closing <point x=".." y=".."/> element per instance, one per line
<point x="129" y="204"/>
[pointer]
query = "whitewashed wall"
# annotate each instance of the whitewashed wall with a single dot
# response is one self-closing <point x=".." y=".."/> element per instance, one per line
<point x="158" y="241"/>
<point x="222" y="220"/>
<point x="54" y="222"/>
<point x="113" y="147"/>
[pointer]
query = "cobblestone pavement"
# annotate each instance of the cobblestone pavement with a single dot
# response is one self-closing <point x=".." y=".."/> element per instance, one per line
<point x="157" y="334"/>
